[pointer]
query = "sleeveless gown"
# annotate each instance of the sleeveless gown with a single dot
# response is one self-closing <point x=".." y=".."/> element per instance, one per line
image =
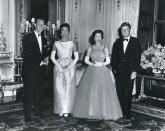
<point x="96" y="96"/>
<point x="64" y="82"/>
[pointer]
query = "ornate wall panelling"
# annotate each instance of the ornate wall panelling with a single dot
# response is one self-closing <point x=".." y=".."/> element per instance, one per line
<point x="56" y="10"/>
<point x="85" y="16"/>
<point x="52" y="10"/>
<point x="6" y="62"/>
<point x="76" y="19"/>
<point x="61" y="10"/>
<point x="19" y="26"/>
<point x="130" y="12"/>
<point x="99" y="18"/>
<point x="118" y="3"/>
<point x="7" y="39"/>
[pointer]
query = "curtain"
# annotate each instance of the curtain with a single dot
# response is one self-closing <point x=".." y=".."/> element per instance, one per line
<point x="85" y="16"/>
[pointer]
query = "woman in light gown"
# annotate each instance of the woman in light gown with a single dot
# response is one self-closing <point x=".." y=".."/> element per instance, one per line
<point x="64" y="72"/>
<point x="96" y="96"/>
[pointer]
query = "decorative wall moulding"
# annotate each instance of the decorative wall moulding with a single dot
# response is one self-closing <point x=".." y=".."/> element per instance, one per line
<point x="100" y="3"/>
<point x="19" y="19"/>
<point x="76" y="4"/>
<point x="118" y="4"/>
<point x="5" y="55"/>
<point x="3" y="41"/>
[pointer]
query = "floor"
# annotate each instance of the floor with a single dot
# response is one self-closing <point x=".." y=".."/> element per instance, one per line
<point x="14" y="121"/>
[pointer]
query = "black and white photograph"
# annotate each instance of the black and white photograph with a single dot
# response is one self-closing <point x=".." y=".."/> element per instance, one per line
<point x="82" y="65"/>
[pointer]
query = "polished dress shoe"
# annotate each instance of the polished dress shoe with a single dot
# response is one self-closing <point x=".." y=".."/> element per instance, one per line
<point x="42" y="115"/>
<point x="39" y="114"/>
<point x="127" y="118"/>
<point x="65" y="114"/>
<point x="28" y="119"/>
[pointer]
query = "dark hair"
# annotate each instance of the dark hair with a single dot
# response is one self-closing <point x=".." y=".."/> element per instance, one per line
<point x="119" y="32"/>
<point x="91" y="38"/>
<point x="125" y="24"/>
<point x="122" y="25"/>
<point x="65" y="25"/>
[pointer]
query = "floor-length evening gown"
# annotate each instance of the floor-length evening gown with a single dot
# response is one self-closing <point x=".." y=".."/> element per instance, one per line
<point x="64" y="82"/>
<point x="96" y="96"/>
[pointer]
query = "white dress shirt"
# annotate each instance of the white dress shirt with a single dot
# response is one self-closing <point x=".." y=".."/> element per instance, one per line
<point x="39" y="40"/>
<point x="125" y="43"/>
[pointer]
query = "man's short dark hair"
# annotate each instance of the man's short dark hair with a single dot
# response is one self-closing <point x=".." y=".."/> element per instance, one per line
<point x="125" y="24"/>
<point x="39" y="19"/>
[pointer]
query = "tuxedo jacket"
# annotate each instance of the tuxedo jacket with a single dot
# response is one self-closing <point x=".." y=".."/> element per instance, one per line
<point x="123" y="64"/>
<point x="32" y="56"/>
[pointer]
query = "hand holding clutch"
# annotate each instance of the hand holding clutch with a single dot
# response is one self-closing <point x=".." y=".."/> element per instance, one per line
<point x="69" y="67"/>
<point x="98" y="64"/>
<point x="65" y="67"/>
<point x="60" y="69"/>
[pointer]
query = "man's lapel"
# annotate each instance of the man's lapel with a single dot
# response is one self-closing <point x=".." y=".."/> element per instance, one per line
<point x="121" y="47"/>
<point x="128" y="46"/>
<point x="43" y="41"/>
<point x="36" y="42"/>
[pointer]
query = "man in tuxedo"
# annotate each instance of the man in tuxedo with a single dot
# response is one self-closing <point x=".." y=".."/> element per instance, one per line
<point x="34" y="54"/>
<point x="125" y="63"/>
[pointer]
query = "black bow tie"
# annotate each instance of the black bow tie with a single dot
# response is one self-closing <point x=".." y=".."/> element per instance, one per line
<point x="125" y="39"/>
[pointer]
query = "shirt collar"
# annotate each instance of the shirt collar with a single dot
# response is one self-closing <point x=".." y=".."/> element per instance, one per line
<point x="128" y="38"/>
<point x="36" y="33"/>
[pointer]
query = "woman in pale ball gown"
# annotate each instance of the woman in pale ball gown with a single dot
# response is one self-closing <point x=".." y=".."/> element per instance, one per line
<point x="96" y="96"/>
<point x="64" y="72"/>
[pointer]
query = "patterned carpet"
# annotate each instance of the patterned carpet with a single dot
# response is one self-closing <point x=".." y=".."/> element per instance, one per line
<point x="14" y="121"/>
